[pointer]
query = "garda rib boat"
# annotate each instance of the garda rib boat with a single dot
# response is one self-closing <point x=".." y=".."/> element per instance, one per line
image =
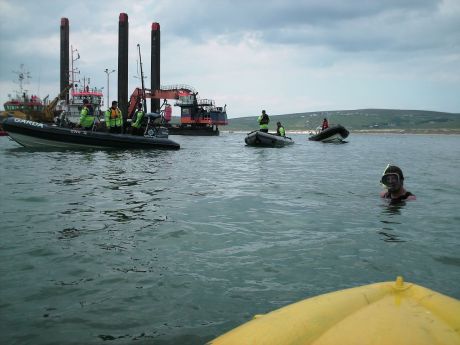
<point x="39" y="135"/>
<point x="262" y="139"/>
<point x="333" y="134"/>
<point x="385" y="313"/>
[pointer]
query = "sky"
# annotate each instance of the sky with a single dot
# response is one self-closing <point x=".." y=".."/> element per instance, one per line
<point x="284" y="56"/>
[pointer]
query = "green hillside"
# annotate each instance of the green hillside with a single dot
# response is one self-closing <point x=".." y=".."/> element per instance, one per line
<point x="358" y="120"/>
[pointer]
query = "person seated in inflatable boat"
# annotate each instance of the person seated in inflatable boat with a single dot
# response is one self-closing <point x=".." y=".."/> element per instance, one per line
<point x="86" y="116"/>
<point x="393" y="180"/>
<point x="280" y="129"/>
<point x="137" y="121"/>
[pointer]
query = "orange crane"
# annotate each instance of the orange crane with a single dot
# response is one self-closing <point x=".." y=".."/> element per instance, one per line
<point x="167" y="92"/>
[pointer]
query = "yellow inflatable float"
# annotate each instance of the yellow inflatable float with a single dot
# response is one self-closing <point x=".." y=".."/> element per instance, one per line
<point x="386" y="313"/>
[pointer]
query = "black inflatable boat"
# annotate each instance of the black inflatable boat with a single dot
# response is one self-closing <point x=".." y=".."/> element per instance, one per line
<point x="258" y="138"/>
<point x="332" y="134"/>
<point x="39" y="135"/>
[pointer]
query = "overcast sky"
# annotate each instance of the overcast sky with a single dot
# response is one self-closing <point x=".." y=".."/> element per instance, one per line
<point x="284" y="56"/>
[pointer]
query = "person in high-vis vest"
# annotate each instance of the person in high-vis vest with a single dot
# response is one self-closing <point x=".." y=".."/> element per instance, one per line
<point x="114" y="118"/>
<point x="86" y="118"/>
<point x="137" y="118"/>
<point x="263" y="122"/>
<point x="280" y="129"/>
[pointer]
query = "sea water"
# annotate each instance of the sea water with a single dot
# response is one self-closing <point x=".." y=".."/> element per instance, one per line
<point x="177" y="247"/>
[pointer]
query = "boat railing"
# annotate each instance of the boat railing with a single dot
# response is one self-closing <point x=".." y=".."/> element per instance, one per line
<point x="206" y="102"/>
<point x="178" y="87"/>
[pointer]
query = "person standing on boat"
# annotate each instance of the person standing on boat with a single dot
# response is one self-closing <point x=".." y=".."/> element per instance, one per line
<point x="393" y="180"/>
<point x="138" y="117"/>
<point x="325" y="124"/>
<point x="86" y="117"/>
<point x="280" y="130"/>
<point x="113" y="118"/>
<point x="263" y="122"/>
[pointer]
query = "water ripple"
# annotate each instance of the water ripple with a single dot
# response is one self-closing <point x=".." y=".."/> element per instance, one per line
<point x="178" y="247"/>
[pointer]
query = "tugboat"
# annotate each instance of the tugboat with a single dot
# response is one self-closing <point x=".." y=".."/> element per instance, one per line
<point x="21" y="104"/>
<point x="70" y="112"/>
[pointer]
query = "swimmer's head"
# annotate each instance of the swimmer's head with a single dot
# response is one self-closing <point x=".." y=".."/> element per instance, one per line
<point x="392" y="178"/>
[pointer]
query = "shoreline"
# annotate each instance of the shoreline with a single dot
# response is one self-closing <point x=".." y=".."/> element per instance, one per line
<point x="407" y="131"/>
<point x="444" y="131"/>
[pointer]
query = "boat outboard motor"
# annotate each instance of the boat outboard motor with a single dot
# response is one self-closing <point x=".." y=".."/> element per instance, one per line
<point x="154" y="128"/>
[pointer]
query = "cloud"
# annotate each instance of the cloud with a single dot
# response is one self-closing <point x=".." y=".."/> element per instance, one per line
<point x="286" y="56"/>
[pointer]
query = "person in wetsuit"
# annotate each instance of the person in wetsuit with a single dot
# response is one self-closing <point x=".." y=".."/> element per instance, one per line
<point x="393" y="180"/>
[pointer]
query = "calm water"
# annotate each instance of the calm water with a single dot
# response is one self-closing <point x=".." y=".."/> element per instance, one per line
<point x="178" y="247"/>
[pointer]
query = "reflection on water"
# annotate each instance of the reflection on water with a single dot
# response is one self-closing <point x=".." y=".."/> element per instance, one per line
<point x="448" y="260"/>
<point x="69" y="233"/>
<point x="152" y="338"/>
<point x="394" y="209"/>
<point x="105" y="337"/>
<point x="388" y="232"/>
<point x="388" y="236"/>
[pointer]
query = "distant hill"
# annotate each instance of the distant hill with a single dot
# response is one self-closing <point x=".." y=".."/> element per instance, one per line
<point x="358" y="120"/>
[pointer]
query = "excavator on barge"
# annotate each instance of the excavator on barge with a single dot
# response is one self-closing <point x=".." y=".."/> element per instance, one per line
<point x="198" y="116"/>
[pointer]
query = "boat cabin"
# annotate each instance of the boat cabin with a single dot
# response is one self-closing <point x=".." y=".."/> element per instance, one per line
<point x="200" y="111"/>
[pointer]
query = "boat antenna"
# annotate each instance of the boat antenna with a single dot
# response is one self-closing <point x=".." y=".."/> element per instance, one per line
<point x="23" y="78"/>
<point x="144" y="102"/>
<point x="73" y="70"/>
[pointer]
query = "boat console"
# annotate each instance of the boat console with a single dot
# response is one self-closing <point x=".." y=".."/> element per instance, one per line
<point x="154" y="127"/>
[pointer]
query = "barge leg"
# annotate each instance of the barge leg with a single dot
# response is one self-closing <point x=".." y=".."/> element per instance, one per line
<point x="64" y="77"/>
<point x="123" y="36"/>
<point x="155" y="65"/>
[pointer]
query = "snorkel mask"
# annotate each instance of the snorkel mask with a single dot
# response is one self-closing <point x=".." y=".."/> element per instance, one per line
<point x="392" y="178"/>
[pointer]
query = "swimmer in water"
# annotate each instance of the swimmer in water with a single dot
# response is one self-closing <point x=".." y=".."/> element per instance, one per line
<point x="393" y="180"/>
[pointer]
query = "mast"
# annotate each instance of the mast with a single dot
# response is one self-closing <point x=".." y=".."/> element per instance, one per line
<point x="23" y="77"/>
<point x="73" y="70"/>
<point x="144" y="102"/>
